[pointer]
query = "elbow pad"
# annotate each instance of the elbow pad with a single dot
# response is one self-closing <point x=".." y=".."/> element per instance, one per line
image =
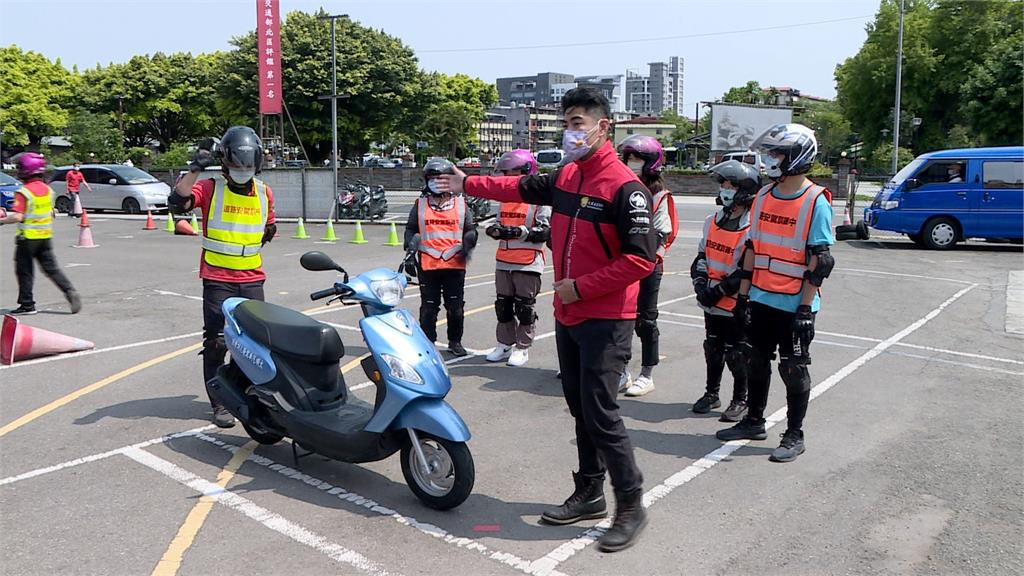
<point x="179" y="204"/>
<point x="699" y="267"/>
<point x="824" y="267"/>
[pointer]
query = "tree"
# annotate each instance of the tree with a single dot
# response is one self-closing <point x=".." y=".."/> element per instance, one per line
<point x="880" y="159"/>
<point x="831" y="128"/>
<point x="683" y="130"/>
<point x="992" y="96"/>
<point x="749" y="93"/>
<point x="34" y="95"/>
<point x="454" y="106"/>
<point x="95" y="133"/>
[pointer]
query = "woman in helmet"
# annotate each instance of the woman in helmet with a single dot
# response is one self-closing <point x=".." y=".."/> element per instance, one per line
<point x="441" y="229"/>
<point x="521" y="230"/>
<point x="644" y="155"/>
<point x="33" y="213"/>
<point x="716" y="279"/>
<point x="790" y="235"/>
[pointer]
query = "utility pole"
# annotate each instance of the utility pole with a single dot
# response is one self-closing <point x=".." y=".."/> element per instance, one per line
<point x="334" y="101"/>
<point x="120" y="113"/>
<point x="896" y="111"/>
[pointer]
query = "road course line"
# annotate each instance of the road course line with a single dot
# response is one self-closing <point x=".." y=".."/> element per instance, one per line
<point x="99" y="351"/>
<point x="549" y="562"/>
<point x="1014" y="323"/>
<point x="917" y="276"/>
<point x="248" y="508"/>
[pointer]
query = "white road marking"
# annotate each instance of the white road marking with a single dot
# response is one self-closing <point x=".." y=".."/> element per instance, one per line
<point x="1015" y="302"/>
<point x="75" y="265"/>
<point x="99" y="351"/>
<point x="856" y="271"/>
<point x="247" y="507"/>
<point x="674" y="300"/>
<point x="169" y="293"/>
<point x="550" y="561"/>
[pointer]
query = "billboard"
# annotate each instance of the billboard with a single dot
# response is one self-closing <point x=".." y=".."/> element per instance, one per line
<point x="734" y="126"/>
<point x="268" y="55"/>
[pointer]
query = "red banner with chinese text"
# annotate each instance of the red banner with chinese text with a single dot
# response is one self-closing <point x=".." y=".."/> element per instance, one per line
<point x="268" y="54"/>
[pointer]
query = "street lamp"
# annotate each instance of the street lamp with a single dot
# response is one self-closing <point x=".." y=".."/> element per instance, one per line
<point x="334" y="101"/>
<point x="120" y="112"/>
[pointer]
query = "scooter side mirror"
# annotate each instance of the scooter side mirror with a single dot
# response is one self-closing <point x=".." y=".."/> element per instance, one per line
<point x="318" y="261"/>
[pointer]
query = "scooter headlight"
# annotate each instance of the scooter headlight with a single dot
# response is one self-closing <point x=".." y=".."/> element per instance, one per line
<point x="389" y="292"/>
<point x="401" y="369"/>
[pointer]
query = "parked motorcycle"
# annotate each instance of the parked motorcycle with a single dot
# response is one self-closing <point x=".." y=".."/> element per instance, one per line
<point x="480" y="208"/>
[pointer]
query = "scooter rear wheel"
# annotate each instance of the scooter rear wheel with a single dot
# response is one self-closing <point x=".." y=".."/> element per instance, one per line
<point x="451" y="476"/>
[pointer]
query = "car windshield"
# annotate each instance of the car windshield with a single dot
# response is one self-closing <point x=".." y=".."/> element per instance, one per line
<point x="7" y="180"/>
<point x="133" y="175"/>
<point x="907" y="171"/>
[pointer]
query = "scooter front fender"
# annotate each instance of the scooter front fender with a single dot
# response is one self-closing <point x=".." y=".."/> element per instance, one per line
<point x="433" y="416"/>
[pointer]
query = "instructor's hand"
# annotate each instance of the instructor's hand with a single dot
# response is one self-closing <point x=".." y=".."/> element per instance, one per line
<point x="451" y="183"/>
<point x="566" y="290"/>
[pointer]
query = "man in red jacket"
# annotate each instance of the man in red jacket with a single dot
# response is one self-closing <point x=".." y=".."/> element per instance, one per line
<point x="603" y="243"/>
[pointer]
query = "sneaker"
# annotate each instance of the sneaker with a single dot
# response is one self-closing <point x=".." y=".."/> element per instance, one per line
<point x="735" y="412"/>
<point x="747" y="429"/>
<point x="625" y="381"/>
<point x="500" y="353"/>
<point x="586" y="502"/>
<point x="706" y="403"/>
<point x="792" y="445"/>
<point x="75" y="301"/>
<point x="519" y="357"/>
<point x="457" y="350"/>
<point x="222" y="418"/>
<point x="642" y="385"/>
<point x="24" y="310"/>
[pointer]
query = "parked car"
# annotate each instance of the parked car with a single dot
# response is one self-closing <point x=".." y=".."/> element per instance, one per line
<point x="8" y="186"/>
<point x="114" y="187"/>
<point x="549" y="158"/>
<point x="471" y="162"/>
<point x="950" y="195"/>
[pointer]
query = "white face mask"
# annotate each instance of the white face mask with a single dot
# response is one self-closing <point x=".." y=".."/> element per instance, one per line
<point x="575" y="143"/>
<point x="726" y="195"/>
<point x="241" y="176"/>
<point x="636" y="165"/>
<point x="772" y="165"/>
<point x="433" y="187"/>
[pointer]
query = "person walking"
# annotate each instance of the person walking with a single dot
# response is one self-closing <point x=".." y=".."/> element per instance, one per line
<point x="74" y="180"/>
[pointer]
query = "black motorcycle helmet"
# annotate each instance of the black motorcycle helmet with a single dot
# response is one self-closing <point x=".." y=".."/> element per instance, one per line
<point x="744" y="177"/>
<point x="241" y="150"/>
<point x="436" y="167"/>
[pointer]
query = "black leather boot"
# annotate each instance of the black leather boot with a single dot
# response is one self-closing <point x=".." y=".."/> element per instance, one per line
<point x="587" y="502"/>
<point x="630" y="519"/>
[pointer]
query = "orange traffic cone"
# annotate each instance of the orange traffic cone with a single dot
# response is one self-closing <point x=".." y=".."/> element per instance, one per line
<point x="76" y="210"/>
<point x="149" y="221"/>
<point x="20" y="342"/>
<point x="84" y="233"/>
<point x="183" y="228"/>
<point x="846" y="217"/>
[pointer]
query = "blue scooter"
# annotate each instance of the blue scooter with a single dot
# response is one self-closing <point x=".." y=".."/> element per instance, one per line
<point x="283" y="380"/>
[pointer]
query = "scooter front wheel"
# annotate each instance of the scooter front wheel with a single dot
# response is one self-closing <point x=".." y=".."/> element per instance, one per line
<point x="449" y="477"/>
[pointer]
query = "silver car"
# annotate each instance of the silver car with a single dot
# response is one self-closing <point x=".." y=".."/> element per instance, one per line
<point x="114" y="187"/>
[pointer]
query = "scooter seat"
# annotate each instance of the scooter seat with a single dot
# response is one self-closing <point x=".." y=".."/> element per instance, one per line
<point x="289" y="332"/>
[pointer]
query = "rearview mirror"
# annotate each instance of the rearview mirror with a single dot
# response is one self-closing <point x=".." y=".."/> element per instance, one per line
<point x="112" y="181"/>
<point x="318" y="261"/>
<point x="912" y="183"/>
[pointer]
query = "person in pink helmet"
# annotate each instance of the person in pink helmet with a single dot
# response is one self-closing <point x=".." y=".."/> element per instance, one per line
<point x="521" y="230"/>
<point x="33" y="213"/>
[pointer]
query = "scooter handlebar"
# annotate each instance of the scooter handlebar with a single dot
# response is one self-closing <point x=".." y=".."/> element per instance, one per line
<point x="323" y="293"/>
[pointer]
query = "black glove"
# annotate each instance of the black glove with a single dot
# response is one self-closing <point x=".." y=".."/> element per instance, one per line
<point x="494" y="231"/>
<point x="699" y="267"/>
<point x="510" y="232"/>
<point x="539" y="235"/>
<point x="707" y="296"/>
<point x="206" y="155"/>
<point x="741" y="312"/>
<point x="803" y="327"/>
<point x="268" y="233"/>
<point x="731" y="283"/>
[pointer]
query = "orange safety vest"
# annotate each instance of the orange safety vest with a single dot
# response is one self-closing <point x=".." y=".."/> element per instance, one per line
<point x="666" y="196"/>
<point x="441" y="235"/>
<point x="723" y="249"/>
<point x="518" y="251"/>
<point x="779" y="230"/>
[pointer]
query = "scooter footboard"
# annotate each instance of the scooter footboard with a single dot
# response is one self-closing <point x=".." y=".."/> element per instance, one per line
<point x="433" y="416"/>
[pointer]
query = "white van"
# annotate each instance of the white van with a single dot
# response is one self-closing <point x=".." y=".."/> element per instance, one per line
<point x="549" y="158"/>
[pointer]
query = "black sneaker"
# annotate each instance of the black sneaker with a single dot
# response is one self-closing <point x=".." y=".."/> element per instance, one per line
<point x="735" y="412"/>
<point x="24" y="310"/>
<point x="706" y="403"/>
<point x="747" y="429"/>
<point x="456" y="349"/>
<point x="75" y="301"/>
<point x="222" y="418"/>
<point x="792" y="445"/>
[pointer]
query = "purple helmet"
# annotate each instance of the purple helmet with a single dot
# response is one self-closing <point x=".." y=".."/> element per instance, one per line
<point x="519" y="159"/>
<point x="646" y="148"/>
<point x="30" y="164"/>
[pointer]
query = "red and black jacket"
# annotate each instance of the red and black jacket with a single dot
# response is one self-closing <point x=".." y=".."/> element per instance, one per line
<point x="601" y="232"/>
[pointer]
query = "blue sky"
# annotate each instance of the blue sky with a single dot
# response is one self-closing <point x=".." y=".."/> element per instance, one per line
<point x="87" y="32"/>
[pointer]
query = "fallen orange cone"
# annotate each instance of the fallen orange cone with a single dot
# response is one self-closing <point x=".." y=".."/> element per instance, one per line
<point x="183" y="228"/>
<point x="21" y="342"/>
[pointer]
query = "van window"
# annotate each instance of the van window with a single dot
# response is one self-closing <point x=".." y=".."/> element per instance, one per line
<point x="939" y="172"/>
<point x="97" y="175"/>
<point x="550" y="157"/>
<point x="1004" y="174"/>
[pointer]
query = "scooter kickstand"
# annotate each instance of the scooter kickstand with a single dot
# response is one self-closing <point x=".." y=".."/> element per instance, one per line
<point x="296" y="455"/>
<point x="419" y="451"/>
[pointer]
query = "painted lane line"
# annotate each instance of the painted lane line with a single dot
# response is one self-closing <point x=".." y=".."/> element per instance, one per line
<point x="102" y="455"/>
<point x="563" y="552"/>
<point x="100" y="350"/>
<point x="169" y="293"/>
<point x="248" y="508"/>
<point x="1014" y="323"/>
<point x="899" y="275"/>
<point x="170" y="562"/>
<point x="361" y="502"/>
<point x="674" y="300"/>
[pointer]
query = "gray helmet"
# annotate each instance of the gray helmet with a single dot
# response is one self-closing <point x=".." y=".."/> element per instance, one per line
<point x="743" y="176"/>
<point x="436" y="166"/>
<point x="240" y="147"/>
<point x="795" y="142"/>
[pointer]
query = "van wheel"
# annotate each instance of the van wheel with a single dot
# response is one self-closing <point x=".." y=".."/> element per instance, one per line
<point x="940" y="233"/>
<point x="131" y="206"/>
<point x="63" y="204"/>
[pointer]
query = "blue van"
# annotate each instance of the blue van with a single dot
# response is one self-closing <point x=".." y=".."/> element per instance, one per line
<point x="947" y="196"/>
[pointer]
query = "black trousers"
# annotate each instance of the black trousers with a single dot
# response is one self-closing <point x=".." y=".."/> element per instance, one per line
<point x="771" y="328"/>
<point x="447" y="286"/>
<point x="26" y="253"/>
<point x="647" y="316"/>
<point x="214" y="295"/>
<point x="591" y="356"/>
<point x="721" y="337"/>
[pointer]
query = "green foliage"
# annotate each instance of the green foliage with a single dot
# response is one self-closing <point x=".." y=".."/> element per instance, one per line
<point x="683" y="130"/>
<point x="960" y="137"/>
<point x="880" y="160"/>
<point x="819" y="170"/>
<point x="749" y="93"/>
<point x="92" y="133"/>
<point x="177" y="156"/>
<point x="831" y="128"/>
<point x="34" y="93"/>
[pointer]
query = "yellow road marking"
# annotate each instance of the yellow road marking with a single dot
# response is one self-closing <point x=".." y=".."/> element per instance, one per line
<point x="42" y="411"/>
<point x="170" y="563"/>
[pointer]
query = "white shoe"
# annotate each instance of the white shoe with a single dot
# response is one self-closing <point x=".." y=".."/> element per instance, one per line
<point x="500" y="352"/>
<point x="519" y="357"/>
<point x="642" y="385"/>
<point x="625" y="381"/>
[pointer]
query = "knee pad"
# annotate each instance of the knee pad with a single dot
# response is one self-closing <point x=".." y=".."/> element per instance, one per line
<point x="524" y="310"/>
<point x="646" y="328"/>
<point x="796" y="377"/>
<point x="712" y="350"/>
<point x="757" y="364"/>
<point x="735" y="358"/>
<point x="503" y="308"/>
